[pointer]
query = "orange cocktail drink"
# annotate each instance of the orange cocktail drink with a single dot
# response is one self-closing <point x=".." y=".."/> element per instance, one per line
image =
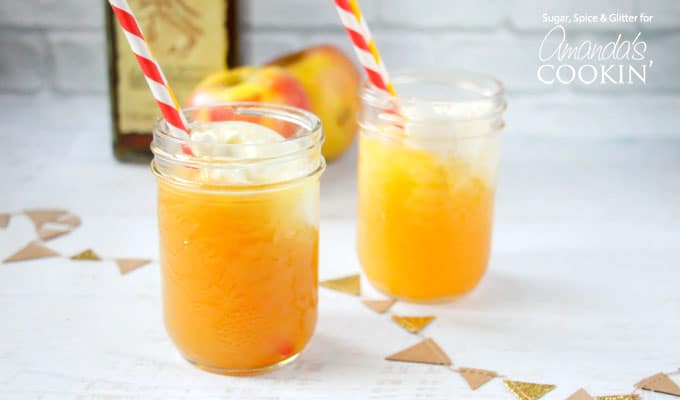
<point x="238" y="221"/>
<point x="427" y="178"/>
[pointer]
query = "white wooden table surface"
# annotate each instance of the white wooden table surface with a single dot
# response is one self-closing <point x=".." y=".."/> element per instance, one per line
<point x="583" y="287"/>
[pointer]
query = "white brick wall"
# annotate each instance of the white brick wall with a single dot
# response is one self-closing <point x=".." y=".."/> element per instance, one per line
<point x="511" y="58"/>
<point x="666" y="13"/>
<point x="58" y="47"/>
<point x="24" y="62"/>
<point x="296" y="14"/>
<point x="50" y="14"/>
<point x="427" y="14"/>
<point x="79" y="61"/>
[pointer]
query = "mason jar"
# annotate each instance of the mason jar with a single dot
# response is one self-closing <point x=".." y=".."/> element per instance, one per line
<point x="427" y="180"/>
<point x="238" y="221"/>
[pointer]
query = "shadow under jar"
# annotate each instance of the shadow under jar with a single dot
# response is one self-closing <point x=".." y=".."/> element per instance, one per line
<point x="427" y="179"/>
<point x="239" y="233"/>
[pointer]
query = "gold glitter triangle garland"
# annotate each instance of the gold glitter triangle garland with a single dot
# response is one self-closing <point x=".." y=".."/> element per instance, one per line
<point x="476" y="377"/>
<point x="660" y="383"/>
<point x="426" y="351"/>
<point x="412" y="324"/>
<point x="31" y="251"/>
<point x="71" y="220"/>
<point x="86" y="255"/>
<point x="580" y="394"/>
<point x="53" y="223"/>
<point x="40" y="217"/>
<point x="48" y="223"/>
<point x="379" y="306"/>
<point x="349" y="284"/>
<point x="528" y="390"/>
<point x="126" y="265"/>
<point x="47" y="233"/>
<point x="35" y="250"/>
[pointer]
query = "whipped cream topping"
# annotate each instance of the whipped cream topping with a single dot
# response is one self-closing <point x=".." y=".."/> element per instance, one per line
<point x="453" y="132"/>
<point x="243" y="155"/>
<point x="208" y="138"/>
<point x="454" y="120"/>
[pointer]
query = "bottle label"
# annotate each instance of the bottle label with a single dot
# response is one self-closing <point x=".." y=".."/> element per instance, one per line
<point x="189" y="41"/>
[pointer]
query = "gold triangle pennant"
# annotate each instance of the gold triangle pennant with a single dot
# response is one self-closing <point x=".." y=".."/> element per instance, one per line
<point x="661" y="383"/>
<point x="4" y="220"/>
<point x="379" y="306"/>
<point x="126" y="265"/>
<point x="31" y="251"/>
<point x="476" y="377"/>
<point x="580" y="394"/>
<point x="69" y="219"/>
<point x="39" y="217"/>
<point x="88" y="254"/>
<point x="619" y="397"/>
<point x="426" y="351"/>
<point x="412" y="324"/>
<point x="47" y="233"/>
<point x="528" y="390"/>
<point x="349" y="284"/>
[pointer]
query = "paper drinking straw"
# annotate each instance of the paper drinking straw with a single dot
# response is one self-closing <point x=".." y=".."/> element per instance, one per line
<point x="364" y="45"/>
<point x="159" y="86"/>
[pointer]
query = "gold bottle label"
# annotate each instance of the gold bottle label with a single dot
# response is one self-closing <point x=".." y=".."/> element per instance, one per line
<point x="188" y="39"/>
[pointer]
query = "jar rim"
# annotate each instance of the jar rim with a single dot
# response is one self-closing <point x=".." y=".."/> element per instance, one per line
<point x="311" y="124"/>
<point x="177" y="158"/>
<point x="485" y="87"/>
<point x="236" y="188"/>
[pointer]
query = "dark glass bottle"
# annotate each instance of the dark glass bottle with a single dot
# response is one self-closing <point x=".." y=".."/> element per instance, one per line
<point x="189" y="38"/>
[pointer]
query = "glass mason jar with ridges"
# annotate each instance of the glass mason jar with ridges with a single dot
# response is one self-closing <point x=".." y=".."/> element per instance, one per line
<point x="427" y="181"/>
<point x="238" y="220"/>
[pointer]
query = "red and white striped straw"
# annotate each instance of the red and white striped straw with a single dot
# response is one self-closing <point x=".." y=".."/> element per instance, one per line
<point x="364" y="45"/>
<point x="160" y="89"/>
